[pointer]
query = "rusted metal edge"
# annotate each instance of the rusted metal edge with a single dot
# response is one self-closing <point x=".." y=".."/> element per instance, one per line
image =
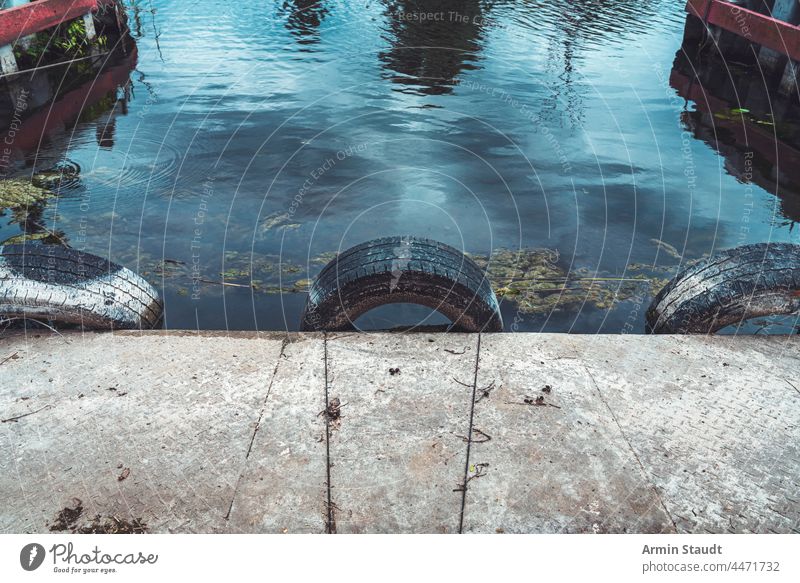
<point x="761" y="29"/>
<point x="20" y="21"/>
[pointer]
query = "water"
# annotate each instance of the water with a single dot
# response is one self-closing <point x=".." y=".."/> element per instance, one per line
<point x="255" y="139"/>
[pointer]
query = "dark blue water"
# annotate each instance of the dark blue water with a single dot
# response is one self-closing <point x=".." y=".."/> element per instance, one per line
<point x="254" y="139"/>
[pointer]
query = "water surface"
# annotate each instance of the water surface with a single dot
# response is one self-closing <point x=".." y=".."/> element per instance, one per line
<point x="255" y="139"/>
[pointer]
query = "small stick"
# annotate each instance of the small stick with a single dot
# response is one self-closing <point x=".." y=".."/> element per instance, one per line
<point x="226" y="283"/>
<point x="458" y="353"/>
<point x="38" y="322"/>
<point x="10" y="419"/>
<point x="485" y="392"/>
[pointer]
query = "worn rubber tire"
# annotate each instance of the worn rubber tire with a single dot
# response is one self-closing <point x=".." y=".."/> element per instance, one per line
<point x="54" y="283"/>
<point x="402" y="270"/>
<point x="729" y="288"/>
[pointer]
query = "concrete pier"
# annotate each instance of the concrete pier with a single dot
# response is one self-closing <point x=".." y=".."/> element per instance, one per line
<point x="248" y="432"/>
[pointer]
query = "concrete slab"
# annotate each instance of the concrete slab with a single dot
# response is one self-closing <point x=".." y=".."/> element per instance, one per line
<point x="173" y="414"/>
<point x="715" y="422"/>
<point x="222" y="432"/>
<point x="398" y="451"/>
<point x="284" y="486"/>
<point x="552" y="458"/>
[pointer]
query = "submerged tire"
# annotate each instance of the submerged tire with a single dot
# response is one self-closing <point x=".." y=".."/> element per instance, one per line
<point x="51" y="282"/>
<point x="395" y="270"/>
<point x="733" y="286"/>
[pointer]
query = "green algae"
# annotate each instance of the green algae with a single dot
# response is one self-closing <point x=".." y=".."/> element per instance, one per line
<point x="277" y="222"/>
<point x="532" y="279"/>
<point x="44" y="237"/>
<point x="52" y="178"/>
<point x="537" y="284"/>
<point x="17" y="193"/>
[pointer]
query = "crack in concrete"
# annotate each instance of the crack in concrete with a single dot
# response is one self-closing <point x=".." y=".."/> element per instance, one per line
<point x="465" y="483"/>
<point x="645" y="473"/>
<point x="257" y="427"/>
<point x="793" y="386"/>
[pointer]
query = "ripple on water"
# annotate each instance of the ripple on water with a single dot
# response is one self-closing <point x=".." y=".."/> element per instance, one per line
<point x="144" y="164"/>
<point x="61" y="177"/>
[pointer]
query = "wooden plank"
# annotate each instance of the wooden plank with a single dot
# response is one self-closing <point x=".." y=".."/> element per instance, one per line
<point x="16" y="23"/>
<point x="758" y="28"/>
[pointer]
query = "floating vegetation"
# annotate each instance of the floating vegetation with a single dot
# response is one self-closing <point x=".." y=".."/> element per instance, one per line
<point x="21" y="193"/>
<point x="277" y="222"/>
<point x="267" y="274"/>
<point x="57" y="176"/>
<point x="666" y="248"/>
<point x="737" y="114"/>
<point x="26" y="202"/>
<point x="325" y="258"/>
<point x="509" y="268"/>
<point x="302" y="285"/>
<point x="236" y="273"/>
<point x="170" y="268"/>
<point x="43" y="237"/>
<point x="533" y="280"/>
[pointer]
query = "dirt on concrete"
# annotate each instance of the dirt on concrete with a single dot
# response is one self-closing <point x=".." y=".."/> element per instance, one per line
<point x="67" y="520"/>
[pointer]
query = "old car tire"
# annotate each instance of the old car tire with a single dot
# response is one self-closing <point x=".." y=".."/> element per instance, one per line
<point x="402" y="270"/>
<point x="52" y="282"/>
<point x="729" y="288"/>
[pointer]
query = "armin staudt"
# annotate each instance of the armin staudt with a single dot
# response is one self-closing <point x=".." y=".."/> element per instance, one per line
<point x="684" y="550"/>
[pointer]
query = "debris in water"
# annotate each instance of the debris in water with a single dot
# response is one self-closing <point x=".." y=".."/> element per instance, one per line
<point x="667" y="248"/>
<point x="278" y="221"/>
